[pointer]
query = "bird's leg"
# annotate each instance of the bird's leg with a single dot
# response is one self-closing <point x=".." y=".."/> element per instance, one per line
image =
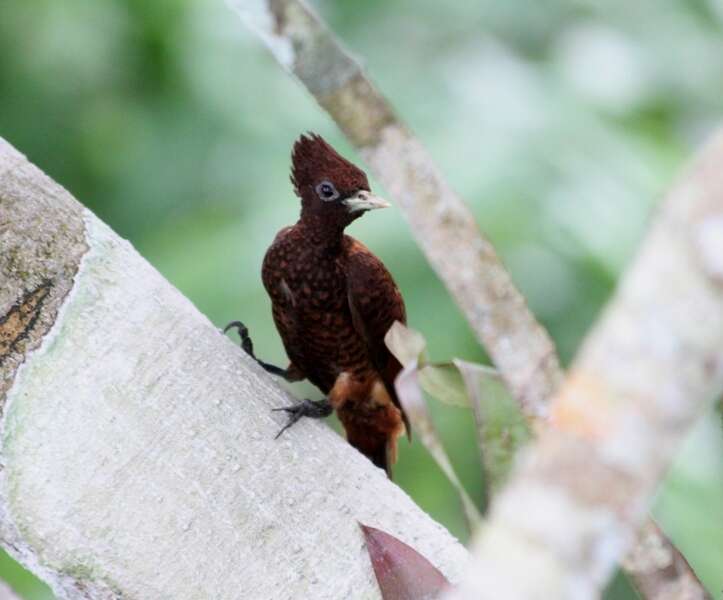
<point x="305" y="408"/>
<point x="248" y="347"/>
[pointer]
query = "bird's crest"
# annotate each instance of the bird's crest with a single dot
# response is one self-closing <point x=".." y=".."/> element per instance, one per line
<point x="313" y="159"/>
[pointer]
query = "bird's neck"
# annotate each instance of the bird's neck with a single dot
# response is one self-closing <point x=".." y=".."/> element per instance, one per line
<point x="324" y="232"/>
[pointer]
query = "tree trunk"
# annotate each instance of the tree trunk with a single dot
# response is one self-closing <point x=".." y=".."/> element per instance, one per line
<point x="138" y="453"/>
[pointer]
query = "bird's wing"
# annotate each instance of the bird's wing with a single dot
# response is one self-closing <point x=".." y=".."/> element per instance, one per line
<point x="375" y="303"/>
<point x="282" y="301"/>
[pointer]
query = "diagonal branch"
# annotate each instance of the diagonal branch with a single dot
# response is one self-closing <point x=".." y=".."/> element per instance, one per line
<point x="440" y="221"/>
<point x="137" y="447"/>
<point x="642" y="377"/>
<point x="661" y="572"/>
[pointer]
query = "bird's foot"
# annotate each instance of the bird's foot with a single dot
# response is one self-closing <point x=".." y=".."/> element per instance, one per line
<point x="248" y="347"/>
<point x="243" y="333"/>
<point x="305" y="408"/>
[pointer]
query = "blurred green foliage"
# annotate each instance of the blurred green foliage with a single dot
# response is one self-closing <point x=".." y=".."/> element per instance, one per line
<point x="560" y="122"/>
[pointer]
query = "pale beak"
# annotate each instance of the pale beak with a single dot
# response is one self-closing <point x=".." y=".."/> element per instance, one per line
<point x="364" y="200"/>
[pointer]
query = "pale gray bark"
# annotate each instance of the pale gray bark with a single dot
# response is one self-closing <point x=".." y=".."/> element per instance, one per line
<point x="642" y="377"/>
<point x="661" y="572"/>
<point x="137" y="443"/>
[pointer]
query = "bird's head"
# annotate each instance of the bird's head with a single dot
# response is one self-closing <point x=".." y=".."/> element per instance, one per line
<point x="330" y="187"/>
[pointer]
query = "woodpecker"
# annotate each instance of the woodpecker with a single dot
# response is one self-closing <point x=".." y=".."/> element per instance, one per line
<point x="332" y="302"/>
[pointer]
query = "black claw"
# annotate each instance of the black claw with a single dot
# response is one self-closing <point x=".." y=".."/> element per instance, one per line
<point x="305" y="408"/>
<point x="243" y="333"/>
<point x="237" y="324"/>
<point x="248" y="347"/>
<point x="293" y="418"/>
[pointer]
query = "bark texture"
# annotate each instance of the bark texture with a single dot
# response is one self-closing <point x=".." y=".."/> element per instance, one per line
<point x="137" y="443"/>
<point x="661" y="572"/>
<point x="42" y="242"/>
<point x="642" y="377"/>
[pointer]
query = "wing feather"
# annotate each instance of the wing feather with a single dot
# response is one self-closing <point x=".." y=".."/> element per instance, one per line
<point x="375" y="303"/>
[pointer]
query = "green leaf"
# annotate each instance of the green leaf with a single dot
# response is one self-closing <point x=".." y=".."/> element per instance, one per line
<point x="415" y="406"/>
<point x="444" y="382"/>
<point x="501" y="427"/>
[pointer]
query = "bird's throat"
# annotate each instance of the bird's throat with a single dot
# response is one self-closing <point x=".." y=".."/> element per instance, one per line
<point x="325" y="231"/>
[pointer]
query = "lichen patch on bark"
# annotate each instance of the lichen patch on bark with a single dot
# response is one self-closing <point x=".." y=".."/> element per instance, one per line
<point x="42" y="240"/>
<point x="18" y="322"/>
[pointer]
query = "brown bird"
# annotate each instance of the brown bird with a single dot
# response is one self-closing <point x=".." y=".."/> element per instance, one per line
<point x="333" y="301"/>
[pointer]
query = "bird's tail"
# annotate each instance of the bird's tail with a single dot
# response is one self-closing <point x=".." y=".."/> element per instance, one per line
<point x="381" y="449"/>
<point x="373" y="426"/>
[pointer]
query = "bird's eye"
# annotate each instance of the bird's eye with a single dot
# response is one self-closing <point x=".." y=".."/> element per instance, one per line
<point x="327" y="191"/>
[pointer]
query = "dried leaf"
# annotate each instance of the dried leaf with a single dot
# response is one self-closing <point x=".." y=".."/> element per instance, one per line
<point x="501" y="427"/>
<point x="402" y="573"/>
<point x="405" y="344"/>
<point x="414" y="404"/>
